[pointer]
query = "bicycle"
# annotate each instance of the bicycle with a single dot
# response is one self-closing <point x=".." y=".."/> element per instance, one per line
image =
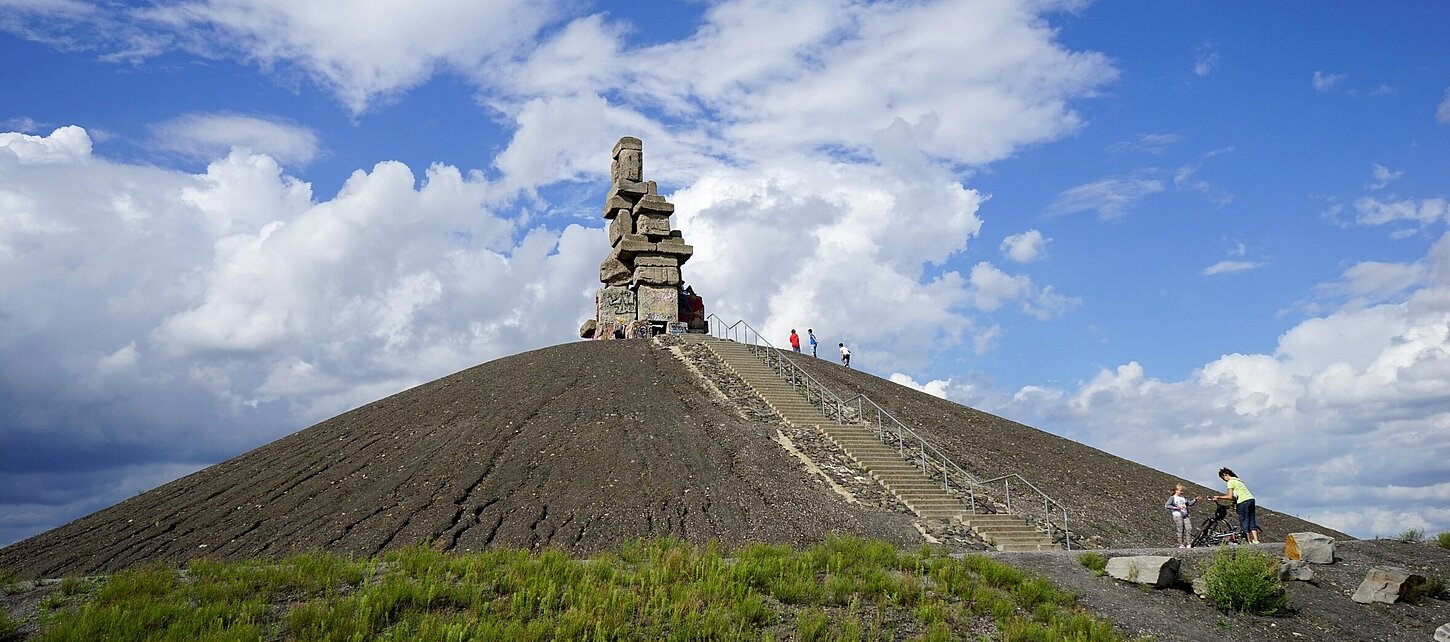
<point x="1217" y="530"/>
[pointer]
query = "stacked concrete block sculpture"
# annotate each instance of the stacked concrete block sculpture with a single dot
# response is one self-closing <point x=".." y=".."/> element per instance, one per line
<point x="643" y="291"/>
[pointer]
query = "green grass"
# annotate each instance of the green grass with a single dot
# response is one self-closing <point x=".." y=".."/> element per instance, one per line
<point x="1094" y="562"/>
<point x="1411" y="535"/>
<point x="8" y="628"/>
<point x="1245" y="581"/>
<point x="843" y="589"/>
<point x="1443" y="539"/>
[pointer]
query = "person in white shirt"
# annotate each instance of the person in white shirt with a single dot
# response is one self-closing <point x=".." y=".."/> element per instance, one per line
<point x="1177" y="506"/>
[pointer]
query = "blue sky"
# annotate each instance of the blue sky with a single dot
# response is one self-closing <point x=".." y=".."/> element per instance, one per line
<point x="1192" y="234"/>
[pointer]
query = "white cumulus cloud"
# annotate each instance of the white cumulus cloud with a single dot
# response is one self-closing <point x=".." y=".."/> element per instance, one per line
<point x="1025" y="247"/>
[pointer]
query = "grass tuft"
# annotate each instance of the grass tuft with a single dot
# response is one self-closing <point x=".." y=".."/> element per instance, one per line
<point x="1094" y="562"/>
<point x="1411" y="535"/>
<point x="1443" y="539"/>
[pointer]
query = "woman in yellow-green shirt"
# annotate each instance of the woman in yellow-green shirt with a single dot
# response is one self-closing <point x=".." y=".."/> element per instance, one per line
<point x="1243" y="502"/>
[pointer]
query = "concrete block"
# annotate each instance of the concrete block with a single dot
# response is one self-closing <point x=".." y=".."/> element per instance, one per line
<point x="1155" y="570"/>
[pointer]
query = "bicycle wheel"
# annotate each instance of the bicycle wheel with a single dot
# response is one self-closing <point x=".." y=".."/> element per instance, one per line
<point x="1205" y="532"/>
<point x="1221" y="532"/>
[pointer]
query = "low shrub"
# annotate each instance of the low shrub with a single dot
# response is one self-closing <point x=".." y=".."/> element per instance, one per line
<point x="1434" y="587"/>
<point x="1245" y="581"/>
<point x="1443" y="539"/>
<point x="1411" y="535"/>
<point x="1094" y="562"/>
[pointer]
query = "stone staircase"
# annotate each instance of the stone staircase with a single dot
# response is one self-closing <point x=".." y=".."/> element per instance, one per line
<point x="924" y="496"/>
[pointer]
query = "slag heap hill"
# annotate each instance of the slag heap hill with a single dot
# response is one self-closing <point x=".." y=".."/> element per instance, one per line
<point x="579" y="446"/>
<point x="583" y="446"/>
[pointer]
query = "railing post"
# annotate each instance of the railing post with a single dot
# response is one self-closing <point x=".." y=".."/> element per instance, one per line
<point x="1047" y="516"/>
<point x="1007" y="484"/>
<point x="1066" y="532"/>
<point x="946" y="481"/>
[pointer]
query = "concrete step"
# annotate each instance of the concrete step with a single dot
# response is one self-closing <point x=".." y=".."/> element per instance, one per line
<point x="881" y="456"/>
<point x="1008" y="532"/>
<point x="938" y="514"/>
<point x="994" y="519"/>
<point x="895" y="472"/>
<point x="955" y="508"/>
<point x="1051" y="546"/>
<point x="1015" y="538"/>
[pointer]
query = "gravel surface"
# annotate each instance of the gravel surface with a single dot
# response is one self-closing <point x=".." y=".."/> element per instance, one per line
<point x="1319" y="610"/>
<point x="579" y="446"/>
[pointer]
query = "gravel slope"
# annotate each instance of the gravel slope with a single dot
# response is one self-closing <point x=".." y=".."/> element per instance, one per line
<point x="579" y="446"/>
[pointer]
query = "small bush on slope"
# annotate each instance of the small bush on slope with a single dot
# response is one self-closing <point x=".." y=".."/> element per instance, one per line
<point x="1245" y="581"/>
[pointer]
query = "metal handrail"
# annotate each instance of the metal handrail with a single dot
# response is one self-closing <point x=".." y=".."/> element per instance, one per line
<point x="1047" y="503"/>
<point x="929" y="457"/>
<point x="814" y="391"/>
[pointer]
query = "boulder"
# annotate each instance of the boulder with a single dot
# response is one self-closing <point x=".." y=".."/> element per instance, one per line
<point x="1442" y="634"/>
<point x="1386" y="585"/>
<point x="586" y="331"/>
<point x="1310" y="547"/>
<point x="1295" y="570"/>
<point x="1200" y="586"/>
<point x="1155" y="570"/>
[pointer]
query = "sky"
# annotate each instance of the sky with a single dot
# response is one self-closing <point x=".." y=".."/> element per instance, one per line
<point x="1193" y="234"/>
